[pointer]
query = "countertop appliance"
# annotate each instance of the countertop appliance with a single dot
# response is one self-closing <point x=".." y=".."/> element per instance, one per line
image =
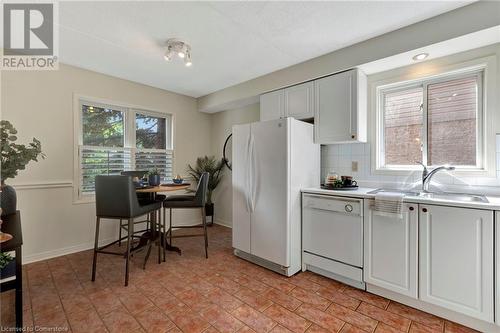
<point x="333" y="237"/>
<point x="272" y="161"/>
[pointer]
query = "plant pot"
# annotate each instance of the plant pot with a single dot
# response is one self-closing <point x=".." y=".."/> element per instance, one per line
<point x="209" y="209"/>
<point x="8" y="200"/>
<point x="9" y="270"/>
<point x="154" y="180"/>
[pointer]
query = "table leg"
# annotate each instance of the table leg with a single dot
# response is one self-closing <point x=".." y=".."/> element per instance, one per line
<point x="19" y="290"/>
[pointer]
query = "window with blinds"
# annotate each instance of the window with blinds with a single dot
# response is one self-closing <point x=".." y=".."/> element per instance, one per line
<point x="437" y="122"/>
<point x="109" y="146"/>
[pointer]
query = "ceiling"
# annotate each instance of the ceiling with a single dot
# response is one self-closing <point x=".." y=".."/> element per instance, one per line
<point x="232" y="41"/>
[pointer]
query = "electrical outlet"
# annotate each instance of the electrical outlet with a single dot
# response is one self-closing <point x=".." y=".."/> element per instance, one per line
<point x="354" y="166"/>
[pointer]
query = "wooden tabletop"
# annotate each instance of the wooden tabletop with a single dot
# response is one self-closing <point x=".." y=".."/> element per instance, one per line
<point x="163" y="188"/>
<point x="12" y="225"/>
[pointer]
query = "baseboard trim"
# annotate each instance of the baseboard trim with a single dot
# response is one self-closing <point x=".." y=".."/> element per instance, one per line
<point x="223" y="223"/>
<point x="31" y="258"/>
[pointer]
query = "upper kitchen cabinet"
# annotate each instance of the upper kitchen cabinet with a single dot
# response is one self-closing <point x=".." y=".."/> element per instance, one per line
<point x="456" y="259"/>
<point x="341" y="108"/>
<point x="299" y="101"/>
<point x="296" y="101"/>
<point x="272" y="105"/>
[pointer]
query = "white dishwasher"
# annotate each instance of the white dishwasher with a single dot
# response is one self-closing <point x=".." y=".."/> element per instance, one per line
<point x="332" y="237"/>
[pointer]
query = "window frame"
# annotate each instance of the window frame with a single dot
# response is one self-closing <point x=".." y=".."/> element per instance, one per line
<point x="129" y="140"/>
<point x="483" y="68"/>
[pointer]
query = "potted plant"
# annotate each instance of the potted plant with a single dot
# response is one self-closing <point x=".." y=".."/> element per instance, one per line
<point x="7" y="265"/>
<point x="154" y="178"/>
<point x="14" y="157"/>
<point x="214" y="167"/>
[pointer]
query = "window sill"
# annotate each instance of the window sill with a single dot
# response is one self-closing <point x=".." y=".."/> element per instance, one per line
<point x="84" y="200"/>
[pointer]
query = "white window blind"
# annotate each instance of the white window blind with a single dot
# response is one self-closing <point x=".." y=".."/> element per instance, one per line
<point x="96" y="161"/>
<point x="161" y="160"/>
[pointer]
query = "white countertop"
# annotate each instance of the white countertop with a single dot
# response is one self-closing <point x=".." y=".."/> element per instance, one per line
<point x="363" y="192"/>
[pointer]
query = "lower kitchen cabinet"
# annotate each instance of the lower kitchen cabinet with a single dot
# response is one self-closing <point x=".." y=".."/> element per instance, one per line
<point x="497" y="266"/>
<point x="390" y="249"/>
<point x="456" y="259"/>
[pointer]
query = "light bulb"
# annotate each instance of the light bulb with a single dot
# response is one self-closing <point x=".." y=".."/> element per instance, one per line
<point x="420" y="56"/>
<point x="181" y="54"/>
<point x="188" y="63"/>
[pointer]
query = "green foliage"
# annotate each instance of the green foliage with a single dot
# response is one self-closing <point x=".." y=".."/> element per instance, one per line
<point x="5" y="258"/>
<point x="150" y="132"/>
<point x="15" y="157"/>
<point x="211" y="165"/>
<point x="154" y="172"/>
<point x="102" y="127"/>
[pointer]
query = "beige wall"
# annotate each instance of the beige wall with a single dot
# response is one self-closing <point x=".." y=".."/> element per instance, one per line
<point x="40" y="104"/>
<point x="459" y="22"/>
<point x="221" y="124"/>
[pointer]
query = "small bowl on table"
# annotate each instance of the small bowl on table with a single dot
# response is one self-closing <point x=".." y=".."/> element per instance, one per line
<point x="178" y="181"/>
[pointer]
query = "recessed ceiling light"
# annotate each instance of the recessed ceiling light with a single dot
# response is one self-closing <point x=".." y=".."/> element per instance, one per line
<point x="420" y="56"/>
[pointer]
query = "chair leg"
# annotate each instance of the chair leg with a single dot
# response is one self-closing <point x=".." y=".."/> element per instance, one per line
<point x="164" y="235"/>
<point x="120" y="234"/>
<point x="130" y="232"/>
<point x="170" y="227"/>
<point x="158" y="230"/>
<point x="96" y="246"/>
<point x="204" y="217"/>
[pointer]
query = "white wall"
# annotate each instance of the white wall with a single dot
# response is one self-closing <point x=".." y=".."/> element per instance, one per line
<point x="40" y="104"/>
<point x="474" y="17"/>
<point x="339" y="158"/>
<point x="221" y="124"/>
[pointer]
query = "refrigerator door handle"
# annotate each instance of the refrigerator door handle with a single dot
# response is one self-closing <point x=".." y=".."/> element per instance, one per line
<point x="248" y="173"/>
<point x="252" y="174"/>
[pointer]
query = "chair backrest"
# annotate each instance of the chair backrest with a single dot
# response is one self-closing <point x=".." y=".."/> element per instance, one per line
<point x="201" y="191"/>
<point x="115" y="196"/>
<point x="138" y="174"/>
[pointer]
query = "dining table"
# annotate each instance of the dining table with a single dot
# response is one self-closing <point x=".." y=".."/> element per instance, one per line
<point x="154" y="190"/>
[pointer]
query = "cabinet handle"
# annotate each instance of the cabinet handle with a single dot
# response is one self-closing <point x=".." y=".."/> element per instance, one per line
<point x="424" y="210"/>
<point x="411" y="208"/>
<point x="353" y="136"/>
<point x="348" y="208"/>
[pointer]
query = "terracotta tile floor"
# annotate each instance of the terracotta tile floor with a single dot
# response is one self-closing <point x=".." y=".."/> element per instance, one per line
<point x="191" y="294"/>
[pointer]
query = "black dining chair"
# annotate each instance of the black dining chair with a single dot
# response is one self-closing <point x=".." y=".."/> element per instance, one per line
<point x="115" y="198"/>
<point x="196" y="201"/>
<point x="144" y="198"/>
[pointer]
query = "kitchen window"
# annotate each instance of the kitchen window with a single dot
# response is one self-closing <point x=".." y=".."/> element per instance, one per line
<point x="113" y="138"/>
<point x="435" y="121"/>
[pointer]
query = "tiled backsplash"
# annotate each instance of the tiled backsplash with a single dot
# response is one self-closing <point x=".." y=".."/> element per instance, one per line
<point x="339" y="158"/>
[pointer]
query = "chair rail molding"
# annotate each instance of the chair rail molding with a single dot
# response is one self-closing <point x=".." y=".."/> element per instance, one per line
<point x="43" y="185"/>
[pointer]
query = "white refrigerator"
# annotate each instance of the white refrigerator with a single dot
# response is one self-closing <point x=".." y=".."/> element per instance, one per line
<point x="272" y="161"/>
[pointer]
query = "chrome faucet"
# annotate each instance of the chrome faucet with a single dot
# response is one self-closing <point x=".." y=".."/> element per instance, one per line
<point x="427" y="175"/>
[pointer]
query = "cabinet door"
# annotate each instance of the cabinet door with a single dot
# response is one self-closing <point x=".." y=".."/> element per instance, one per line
<point x="272" y="105"/>
<point x="391" y="249"/>
<point x="299" y="101"/>
<point x="456" y="259"/>
<point x="335" y="108"/>
<point x="497" y="265"/>
<point x="241" y="213"/>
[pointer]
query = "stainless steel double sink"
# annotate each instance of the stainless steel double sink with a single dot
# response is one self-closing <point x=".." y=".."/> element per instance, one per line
<point x="446" y="196"/>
